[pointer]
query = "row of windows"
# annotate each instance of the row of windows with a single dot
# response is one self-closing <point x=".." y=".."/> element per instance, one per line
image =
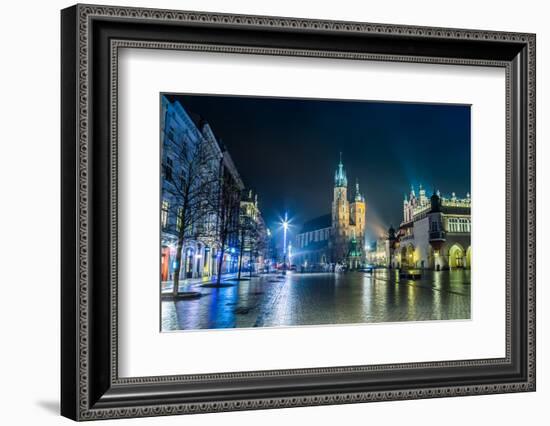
<point x="318" y="235"/>
<point x="207" y="224"/>
<point x="455" y="224"/>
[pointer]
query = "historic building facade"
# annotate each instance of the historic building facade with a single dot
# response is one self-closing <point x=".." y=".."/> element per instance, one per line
<point x="377" y="254"/>
<point x="434" y="233"/>
<point x="337" y="237"/>
<point x="253" y="233"/>
<point x="201" y="198"/>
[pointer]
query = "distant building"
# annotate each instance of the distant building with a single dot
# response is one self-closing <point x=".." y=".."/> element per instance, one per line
<point x="378" y="252"/>
<point x="337" y="237"/>
<point x="434" y="233"/>
<point x="313" y="243"/>
<point x="253" y="233"/>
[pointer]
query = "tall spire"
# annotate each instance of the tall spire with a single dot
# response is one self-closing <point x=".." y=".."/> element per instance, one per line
<point x="358" y="196"/>
<point x="340" y="178"/>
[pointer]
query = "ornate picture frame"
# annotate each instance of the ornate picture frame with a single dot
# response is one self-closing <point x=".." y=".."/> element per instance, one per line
<point x="91" y="37"/>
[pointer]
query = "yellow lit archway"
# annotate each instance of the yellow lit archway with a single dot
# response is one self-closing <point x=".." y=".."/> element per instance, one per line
<point x="410" y="257"/>
<point x="457" y="257"/>
<point x="469" y="257"/>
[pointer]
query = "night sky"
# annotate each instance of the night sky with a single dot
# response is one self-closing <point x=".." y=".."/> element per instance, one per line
<point x="288" y="149"/>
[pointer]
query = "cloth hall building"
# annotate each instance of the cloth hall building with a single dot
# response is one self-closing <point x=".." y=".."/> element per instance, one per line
<point x="435" y="233"/>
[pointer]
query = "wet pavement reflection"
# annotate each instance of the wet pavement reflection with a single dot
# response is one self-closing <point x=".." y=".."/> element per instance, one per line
<point x="322" y="298"/>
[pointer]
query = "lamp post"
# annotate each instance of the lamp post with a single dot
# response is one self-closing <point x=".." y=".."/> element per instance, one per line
<point x="285" y="228"/>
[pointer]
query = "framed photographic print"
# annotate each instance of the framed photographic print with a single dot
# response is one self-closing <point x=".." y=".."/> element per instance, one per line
<point x="263" y="212"/>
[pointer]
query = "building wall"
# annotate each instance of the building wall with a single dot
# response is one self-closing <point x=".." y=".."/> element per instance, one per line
<point x="421" y="242"/>
<point x="202" y="245"/>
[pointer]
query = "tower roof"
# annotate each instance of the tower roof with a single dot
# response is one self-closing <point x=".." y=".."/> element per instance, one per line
<point x="358" y="195"/>
<point x="340" y="178"/>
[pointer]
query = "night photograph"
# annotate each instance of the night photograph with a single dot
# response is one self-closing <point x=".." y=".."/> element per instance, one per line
<point x="279" y="212"/>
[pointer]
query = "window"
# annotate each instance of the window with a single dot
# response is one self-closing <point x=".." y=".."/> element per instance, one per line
<point x="455" y="224"/>
<point x="164" y="213"/>
<point x="452" y="224"/>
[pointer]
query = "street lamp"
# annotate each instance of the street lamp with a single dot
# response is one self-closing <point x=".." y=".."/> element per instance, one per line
<point x="285" y="229"/>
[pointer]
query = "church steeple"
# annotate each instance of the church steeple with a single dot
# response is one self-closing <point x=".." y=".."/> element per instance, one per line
<point x="358" y="196"/>
<point x="340" y="179"/>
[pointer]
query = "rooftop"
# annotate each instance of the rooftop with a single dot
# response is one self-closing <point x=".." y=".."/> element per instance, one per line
<point x="320" y="222"/>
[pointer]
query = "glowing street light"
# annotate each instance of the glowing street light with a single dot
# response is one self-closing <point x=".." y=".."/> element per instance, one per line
<point x="285" y="229"/>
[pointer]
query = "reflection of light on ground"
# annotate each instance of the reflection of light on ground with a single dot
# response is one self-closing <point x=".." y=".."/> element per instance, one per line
<point x="367" y="295"/>
<point x="437" y="283"/>
<point x="281" y="302"/>
<point x="411" y="301"/>
<point x="323" y="298"/>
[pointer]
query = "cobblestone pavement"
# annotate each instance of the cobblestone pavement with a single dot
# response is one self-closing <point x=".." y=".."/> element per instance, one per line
<point x="322" y="298"/>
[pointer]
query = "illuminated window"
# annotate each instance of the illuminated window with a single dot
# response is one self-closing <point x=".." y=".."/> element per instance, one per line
<point x="164" y="213"/>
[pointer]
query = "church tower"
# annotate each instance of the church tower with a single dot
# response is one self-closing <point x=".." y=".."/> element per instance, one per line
<point x="358" y="214"/>
<point x="340" y="204"/>
<point x="358" y="211"/>
<point x="340" y="214"/>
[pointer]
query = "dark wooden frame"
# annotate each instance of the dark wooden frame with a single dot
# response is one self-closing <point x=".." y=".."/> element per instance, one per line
<point x="90" y="386"/>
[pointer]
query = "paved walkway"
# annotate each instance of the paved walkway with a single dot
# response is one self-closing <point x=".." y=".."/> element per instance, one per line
<point x="190" y="283"/>
<point x="323" y="298"/>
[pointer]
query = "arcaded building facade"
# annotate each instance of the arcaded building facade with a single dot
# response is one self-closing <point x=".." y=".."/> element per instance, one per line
<point x="435" y="233"/>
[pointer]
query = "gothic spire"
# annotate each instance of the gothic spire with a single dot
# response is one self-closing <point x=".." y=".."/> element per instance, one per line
<point x="340" y="178"/>
<point x="358" y="196"/>
<point x="412" y="191"/>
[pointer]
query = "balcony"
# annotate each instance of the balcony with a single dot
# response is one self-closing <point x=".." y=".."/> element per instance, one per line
<point x="437" y="236"/>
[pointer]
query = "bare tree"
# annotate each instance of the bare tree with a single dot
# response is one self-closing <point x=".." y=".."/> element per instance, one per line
<point x="258" y="243"/>
<point x="228" y="214"/>
<point x="247" y="229"/>
<point x="193" y="185"/>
